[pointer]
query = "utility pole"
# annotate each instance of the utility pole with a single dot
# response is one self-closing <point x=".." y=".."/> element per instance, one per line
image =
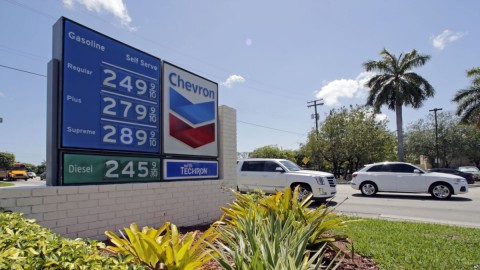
<point x="434" y="110"/>
<point x="315" y="103"/>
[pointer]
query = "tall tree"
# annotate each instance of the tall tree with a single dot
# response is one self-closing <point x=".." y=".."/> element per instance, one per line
<point x="469" y="99"/>
<point x="6" y="160"/>
<point x="349" y="138"/>
<point x="396" y="86"/>
<point x="272" y="151"/>
<point x="420" y="139"/>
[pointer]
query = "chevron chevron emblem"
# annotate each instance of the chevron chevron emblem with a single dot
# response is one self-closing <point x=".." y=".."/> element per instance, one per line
<point x="190" y="131"/>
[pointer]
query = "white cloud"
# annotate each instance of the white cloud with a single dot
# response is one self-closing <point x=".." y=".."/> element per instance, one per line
<point x="2" y="95"/>
<point x="381" y="117"/>
<point x="447" y="36"/>
<point x="115" y="7"/>
<point x="233" y="79"/>
<point x="344" y="88"/>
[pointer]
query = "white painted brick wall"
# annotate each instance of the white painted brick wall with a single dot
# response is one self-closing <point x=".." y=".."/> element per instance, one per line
<point x="88" y="211"/>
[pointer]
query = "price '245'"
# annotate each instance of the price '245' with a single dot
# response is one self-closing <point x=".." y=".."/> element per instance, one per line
<point x="128" y="170"/>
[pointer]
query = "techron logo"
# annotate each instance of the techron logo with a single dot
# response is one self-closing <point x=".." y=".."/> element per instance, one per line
<point x="191" y="131"/>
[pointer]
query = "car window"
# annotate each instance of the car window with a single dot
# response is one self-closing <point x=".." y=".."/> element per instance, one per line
<point x="402" y="168"/>
<point x="270" y="166"/>
<point x="253" y="166"/>
<point x="290" y="165"/>
<point x="379" y="168"/>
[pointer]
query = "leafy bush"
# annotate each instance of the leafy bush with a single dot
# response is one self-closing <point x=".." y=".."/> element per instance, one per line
<point x="267" y="242"/>
<point x="26" y="245"/>
<point x="277" y="231"/>
<point x="163" y="248"/>
<point x="283" y="205"/>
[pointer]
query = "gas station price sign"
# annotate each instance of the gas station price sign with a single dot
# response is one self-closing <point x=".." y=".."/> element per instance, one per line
<point x="102" y="169"/>
<point x="110" y="93"/>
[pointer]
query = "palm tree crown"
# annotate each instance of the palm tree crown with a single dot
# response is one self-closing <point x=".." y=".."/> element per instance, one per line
<point x="395" y="85"/>
<point x="469" y="99"/>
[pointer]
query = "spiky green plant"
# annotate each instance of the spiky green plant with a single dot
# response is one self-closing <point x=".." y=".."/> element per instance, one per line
<point x="163" y="248"/>
<point x="265" y="242"/>
<point x="284" y="205"/>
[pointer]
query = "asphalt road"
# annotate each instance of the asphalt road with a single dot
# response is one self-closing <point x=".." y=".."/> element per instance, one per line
<point x="460" y="210"/>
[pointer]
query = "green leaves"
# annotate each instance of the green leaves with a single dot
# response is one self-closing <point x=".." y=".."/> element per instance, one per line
<point x="275" y="232"/>
<point x="24" y="243"/>
<point x="163" y="248"/>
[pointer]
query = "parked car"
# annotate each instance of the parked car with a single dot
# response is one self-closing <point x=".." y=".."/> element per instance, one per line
<point x="471" y="169"/>
<point x="43" y="176"/>
<point x="31" y="175"/>
<point x="467" y="176"/>
<point x="270" y="175"/>
<point x="405" y="177"/>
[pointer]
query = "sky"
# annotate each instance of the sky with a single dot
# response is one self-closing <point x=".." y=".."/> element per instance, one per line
<point x="268" y="57"/>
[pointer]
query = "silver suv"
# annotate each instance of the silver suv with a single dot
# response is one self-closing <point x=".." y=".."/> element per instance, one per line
<point x="405" y="177"/>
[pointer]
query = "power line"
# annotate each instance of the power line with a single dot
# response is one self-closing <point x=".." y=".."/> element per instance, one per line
<point x="290" y="97"/>
<point x="21" y="70"/>
<point x="18" y="4"/>
<point x="286" y="131"/>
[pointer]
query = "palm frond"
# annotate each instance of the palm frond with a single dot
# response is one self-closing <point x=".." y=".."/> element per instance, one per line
<point x="474" y="73"/>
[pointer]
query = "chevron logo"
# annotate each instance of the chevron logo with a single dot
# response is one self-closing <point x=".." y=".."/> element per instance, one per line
<point x="194" y="114"/>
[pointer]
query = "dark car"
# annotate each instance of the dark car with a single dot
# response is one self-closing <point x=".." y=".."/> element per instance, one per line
<point x="467" y="176"/>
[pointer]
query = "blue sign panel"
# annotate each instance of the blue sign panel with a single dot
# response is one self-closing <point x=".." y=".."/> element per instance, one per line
<point x="190" y="169"/>
<point x="110" y="93"/>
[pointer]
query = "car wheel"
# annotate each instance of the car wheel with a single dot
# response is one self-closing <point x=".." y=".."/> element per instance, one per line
<point x="441" y="191"/>
<point x="303" y="192"/>
<point x="368" y="188"/>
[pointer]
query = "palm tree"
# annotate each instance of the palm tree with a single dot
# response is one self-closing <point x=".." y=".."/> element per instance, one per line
<point x="395" y="85"/>
<point x="469" y="99"/>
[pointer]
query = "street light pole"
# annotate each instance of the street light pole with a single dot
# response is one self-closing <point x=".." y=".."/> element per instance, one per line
<point x="434" y="110"/>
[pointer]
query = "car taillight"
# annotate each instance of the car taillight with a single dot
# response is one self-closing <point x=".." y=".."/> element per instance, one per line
<point x="354" y="175"/>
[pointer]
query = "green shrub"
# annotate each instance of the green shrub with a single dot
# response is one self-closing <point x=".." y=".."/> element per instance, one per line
<point x="283" y="205"/>
<point x="163" y="248"/>
<point x="264" y="242"/>
<point x="26" y="245"/>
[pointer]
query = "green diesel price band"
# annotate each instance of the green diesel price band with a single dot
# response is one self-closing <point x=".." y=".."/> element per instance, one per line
<point x="96" y="169"/>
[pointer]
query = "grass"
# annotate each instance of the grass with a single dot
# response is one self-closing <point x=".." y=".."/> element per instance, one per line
<point x="6" y="184"/>
<point x="407" y="245"/>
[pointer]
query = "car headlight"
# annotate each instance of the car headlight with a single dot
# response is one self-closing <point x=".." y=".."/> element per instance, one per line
<point x="460" y="180"/>
<point x="320" y="181"/>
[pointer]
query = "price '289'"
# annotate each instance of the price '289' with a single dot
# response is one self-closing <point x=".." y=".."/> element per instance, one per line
<point x="126" y="136"/>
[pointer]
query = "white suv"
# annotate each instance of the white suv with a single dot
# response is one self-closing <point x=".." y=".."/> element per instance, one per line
<point x="405" y="177"/>
<point x="270" y="175"/>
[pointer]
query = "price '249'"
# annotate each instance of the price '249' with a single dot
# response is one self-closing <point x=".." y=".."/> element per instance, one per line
<point x="140" y="85"/>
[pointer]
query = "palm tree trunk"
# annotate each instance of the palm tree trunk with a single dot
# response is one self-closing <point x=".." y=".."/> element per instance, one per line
<point x="398" y="114"/>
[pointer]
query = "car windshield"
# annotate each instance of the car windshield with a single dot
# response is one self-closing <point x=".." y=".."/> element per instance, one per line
<point x="290" y="165"/>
